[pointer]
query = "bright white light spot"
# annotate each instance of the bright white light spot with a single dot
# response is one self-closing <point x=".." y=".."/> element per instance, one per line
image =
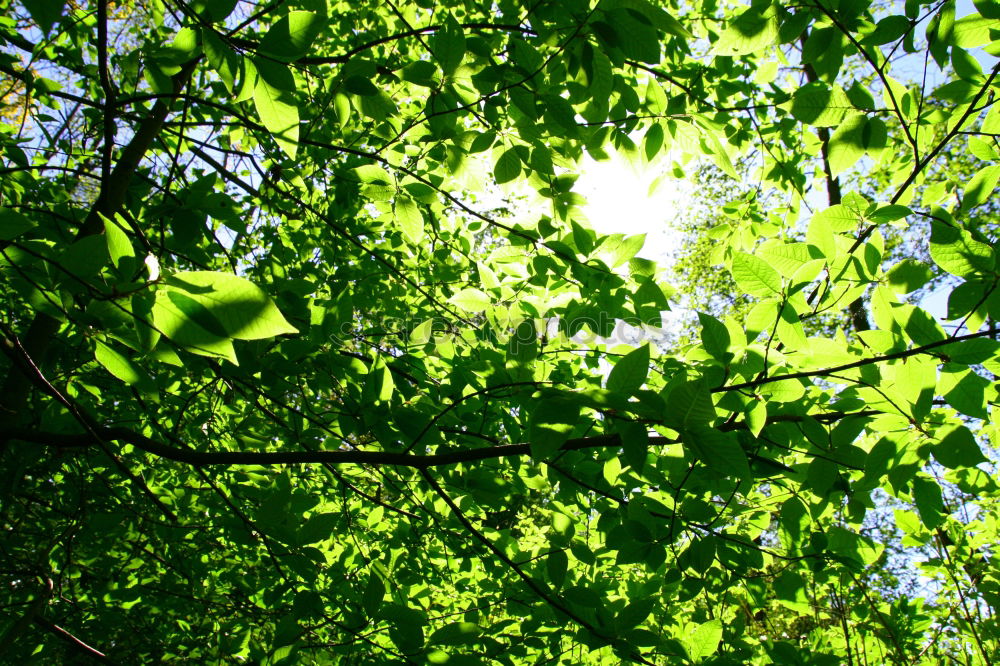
<point x="619" y="201"/>
<point x="636" y="198"/>
<point x="153" y="266"/>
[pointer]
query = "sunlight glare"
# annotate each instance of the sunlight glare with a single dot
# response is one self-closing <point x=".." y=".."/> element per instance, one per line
<point x="619" y="201"/>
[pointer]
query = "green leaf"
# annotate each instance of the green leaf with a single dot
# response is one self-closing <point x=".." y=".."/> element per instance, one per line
<point x="213" y="10"/>
<point x="752" y="31"/>
<point x="652" y="142"/>
<point x="275" y="104"/>
<point x="379" y="107"/>
<point x="966" y="302"/>
<point x="982" y="186"/>
<point x="319" y="527"/>
<point x="630" y="371"/>
<point x="232" y="306"/>
<point x="908" y="522"/>
<point x="820" y="105"/>
<point x="360" y="85"/>
<point x="788" y="258"/>
<point x="755" y="277"/>
<point x="964" y="390"/>
<point x="918" y="324"/>
<point x="822" y="476"/>
<point x="224" y="61"/>
<point x="422" y="73"/>
<point x="373" y="174"/>
<point x="379" y="385"/>
<point x="859" y="550"/>
<point x="704" y="640"/>
<point x="956" y="251"/>
<point x="186" y="322"/>
<point x="888" y="30"/>
<point x="794" y="522"/>
<point x="972" y="352"/>
<point x="411" y="220"/>
<point x="117" y="364"/>
<point x="561" y="114"/>
<point x="689" y="403"/>
<point x="622" y="248"/>
<point x="471" y="300"/>
<point x="908" y="275"/>
<point x="634" y="614"/>
<point x="600" y="77"/>
<point x="838" y="218"/>
<point x="973" y="31"/>
<point x="373" y="595"/>
<point x="448" y="45"/>
<point x="456" y="633"/>
<point x="847" y="144"/>
<point x="715" y="337"/>
<point x="957" y="448"/>
<point x="13" y="224"/>
<point x="406" y="627"/>
<point x="556" y="565"/>
<point x="633" y="35"/>
<point x="508" y="167"/>
<point x="983" y="150"/>
<point x="247" y="80"/>
<point x="119" y="245"/>
<point x="612" y="470"/>
<point x="522" y="347"/>
<point x="552" y="422"/>
<point x="701" y="554"/>
<point x="720" y="451"/>
<point x="422" y="333"/>
<point x="84" y="258"/>
<point x="183" y="48"/>
<point x="45" y="13"/>
<point x="756" y="417"/>
<point x="788" y="390"/>
<point x="291" y="36"/>
<point x="342" y="107"/>
<point x="927" y="497"/>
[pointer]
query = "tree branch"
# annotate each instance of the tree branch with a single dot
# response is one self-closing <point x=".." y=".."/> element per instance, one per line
<point x="41" y="332"/>
<point x="72" y="640"/>
<point x="906" y="353"/>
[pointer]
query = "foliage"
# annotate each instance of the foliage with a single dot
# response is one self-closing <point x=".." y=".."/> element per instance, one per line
<point x="284" y="384"/>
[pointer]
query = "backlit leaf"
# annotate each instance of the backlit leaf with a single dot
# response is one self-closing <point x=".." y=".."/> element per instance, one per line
<point x="629" y="372"/>
<point x="957" y="447"/>
<point x="753" y="30"/>
<point x="704" y="640"/>
<point x="276" y="105"/>
<point x="237" y="307"/>
<point x="291" y="36"/>
<point x="471" y="300"/>
<point x="410" y="219"/>
<point x="508" y="166"/>
<point x="755" y="277"/>
<point x="820" y="105"/>
<point x="552" y="422"/>
<point x="117" y="364"/>
<point x="956" y="251"/>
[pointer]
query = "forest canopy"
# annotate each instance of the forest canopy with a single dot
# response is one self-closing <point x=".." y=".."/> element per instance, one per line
<point x="310" y="351"/>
